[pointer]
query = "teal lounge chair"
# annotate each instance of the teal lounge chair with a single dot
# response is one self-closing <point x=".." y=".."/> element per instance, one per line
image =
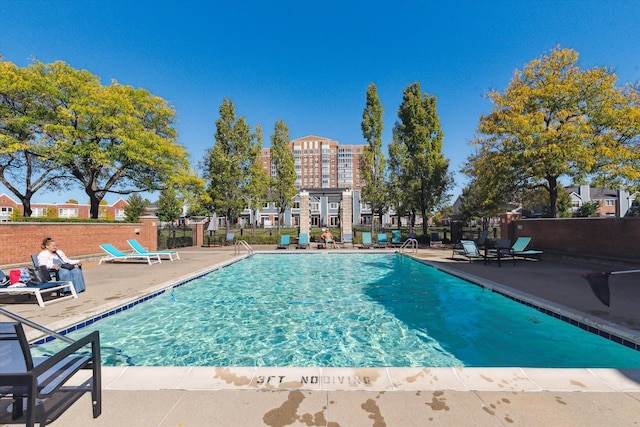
<point x="366" y="240"/>
<point x="435" y="240"/>
<point x="116" y="255"/>
<point x="285" y="239"/>
<point x="519" y="249"/>
<point x="396" y="238"/>
<point x="136" y="246"/>
<point x="382" y="241"/>
<point x="347" y="238"/>
<point x="303" y="241"/>
<point x="469" y="250"/>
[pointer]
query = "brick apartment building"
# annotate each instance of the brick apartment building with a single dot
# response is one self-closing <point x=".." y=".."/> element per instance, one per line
<point x="61" y="210"/>
<point x="322" y="163"/>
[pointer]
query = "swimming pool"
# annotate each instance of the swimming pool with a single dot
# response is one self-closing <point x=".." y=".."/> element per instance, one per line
<point x="355" y="310"/>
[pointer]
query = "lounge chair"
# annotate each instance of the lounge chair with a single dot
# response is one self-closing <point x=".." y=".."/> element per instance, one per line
<point x="469" y="250"/>
<point x="366" y="240"/>
<point x="116" y="255"/>
<point x="38" y="290"/>
<point x="482" y="239"/>
<point x="519" y="249"/>
<point x="435" y="241"/>
<point x="53" y="273"/>
<point x="381" y="241"/>
<point x="284" y="242"/>
<point x="303" y="241"/>
<point x="502" y="251"/>
<point x="230" y="239"/>
<point x="25" y="377"/>
<point x="347" y="238"/>
<point x="396" y="238"/>
<point x="136" y="246"/>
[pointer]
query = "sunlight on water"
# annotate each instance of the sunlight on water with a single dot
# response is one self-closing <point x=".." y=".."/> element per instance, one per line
<point x="357" y="310"/>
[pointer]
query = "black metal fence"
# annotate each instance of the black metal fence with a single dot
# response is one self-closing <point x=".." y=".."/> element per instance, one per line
<point x="170" y="237"/>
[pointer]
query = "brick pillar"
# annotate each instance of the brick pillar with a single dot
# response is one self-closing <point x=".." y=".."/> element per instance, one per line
<point x="305" y="212"/>
<point x="198" y="234"/>
<point x="346" y="220"/>
<point x="148" y="236"/>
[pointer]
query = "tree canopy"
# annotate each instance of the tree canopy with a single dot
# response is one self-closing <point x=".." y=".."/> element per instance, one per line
<point x="227" y="164"/>
<point x="71" y="129"/>
<point x="424" y="176"/>
<point x="556" y="120"/>
<point x="374" y="191"/>
<point x="283" y="184"/>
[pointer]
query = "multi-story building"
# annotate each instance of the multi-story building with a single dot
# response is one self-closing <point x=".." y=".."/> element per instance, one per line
<point x="322" y="163"/>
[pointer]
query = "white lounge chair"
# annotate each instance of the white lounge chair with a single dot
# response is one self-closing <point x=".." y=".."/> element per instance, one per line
<point x="136" y="246"/>
<point x="116" y="255"/>
<point x="38" y="290"/>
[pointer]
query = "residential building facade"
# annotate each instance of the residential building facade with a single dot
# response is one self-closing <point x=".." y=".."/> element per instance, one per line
<point x="114" y="211"/>
<point x="322" y="163"/>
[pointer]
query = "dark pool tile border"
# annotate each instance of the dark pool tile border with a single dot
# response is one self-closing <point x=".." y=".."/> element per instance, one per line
<point x="127" y="306"/>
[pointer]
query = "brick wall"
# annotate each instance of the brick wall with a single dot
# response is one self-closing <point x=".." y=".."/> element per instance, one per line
<point x="613" y="238"/>
<point x="18" y="240"/>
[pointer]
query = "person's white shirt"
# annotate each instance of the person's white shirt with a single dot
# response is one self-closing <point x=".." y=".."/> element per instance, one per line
<point x="46" y="258"/>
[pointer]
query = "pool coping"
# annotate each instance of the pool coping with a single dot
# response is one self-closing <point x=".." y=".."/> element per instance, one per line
<point x="355" y="379"/>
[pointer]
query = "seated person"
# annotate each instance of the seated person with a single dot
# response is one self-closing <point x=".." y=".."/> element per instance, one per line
<point x="327" y="238"/>
<point x="53" y="258"/>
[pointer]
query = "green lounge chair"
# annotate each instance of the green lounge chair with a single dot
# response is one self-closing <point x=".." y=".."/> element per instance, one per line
<point x="396" y="238"/>
<point x="519" y="249"/>
<point x="381" y="241"/>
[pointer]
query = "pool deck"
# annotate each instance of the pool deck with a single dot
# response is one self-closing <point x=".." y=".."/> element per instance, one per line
<point x="353" y="397"/>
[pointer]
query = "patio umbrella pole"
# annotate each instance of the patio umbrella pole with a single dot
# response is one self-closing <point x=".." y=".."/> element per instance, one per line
<point x="599" y="283"/>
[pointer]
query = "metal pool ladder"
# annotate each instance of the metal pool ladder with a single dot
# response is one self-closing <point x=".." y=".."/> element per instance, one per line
<point x="410" y="243"/>
<point x="244" y="245"/>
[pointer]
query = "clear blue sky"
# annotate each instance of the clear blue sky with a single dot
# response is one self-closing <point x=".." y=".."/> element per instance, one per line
<point x="310" y="62"/>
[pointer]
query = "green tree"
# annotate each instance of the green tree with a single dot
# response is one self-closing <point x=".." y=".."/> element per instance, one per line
<point x="26" y="107"/>
<point x="374" y="191"/>
<point x="112" y="139"/>
<point x="556" y="120"/>
<point x="135" y="208"/>
<point x="283" y="184"/>
<point x="425" y="172"/>
<point x="398" y="198"/>
<point x="226" y="165"/>
<point x="256" y="190"/>
<point x="169" y="207"/>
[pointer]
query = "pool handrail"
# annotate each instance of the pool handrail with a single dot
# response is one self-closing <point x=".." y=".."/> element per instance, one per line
<point x="410" y="242"/>
<point x="244" y="244"/>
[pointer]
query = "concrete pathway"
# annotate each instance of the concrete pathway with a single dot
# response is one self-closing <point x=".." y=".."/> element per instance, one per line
<point x="347" y="397"/>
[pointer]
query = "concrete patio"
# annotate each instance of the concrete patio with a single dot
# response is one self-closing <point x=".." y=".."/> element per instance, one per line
<point x="352" y="397"/>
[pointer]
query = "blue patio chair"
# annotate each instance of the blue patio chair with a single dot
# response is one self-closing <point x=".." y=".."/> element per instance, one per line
<point x="396" y="238"/>
<point x="303" y="241"/>
<point x="347" y="238"/>
<point x="284" y="242"/>
<point x="38" y="290"/>
<point x="469" y="250"/>
<point x="382" y="241"/>
<point x="366" y="240"/>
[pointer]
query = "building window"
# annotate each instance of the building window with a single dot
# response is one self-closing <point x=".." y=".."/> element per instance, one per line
<point x="119" y="215"/>
<point x="334" y="205"/>
<point x="68" y="213"/>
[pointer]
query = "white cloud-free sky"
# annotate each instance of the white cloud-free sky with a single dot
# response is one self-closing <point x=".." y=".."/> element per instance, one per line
<point x="310" y="62"/>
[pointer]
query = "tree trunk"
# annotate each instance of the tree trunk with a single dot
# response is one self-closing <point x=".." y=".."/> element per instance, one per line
<point x="553" y="196"/>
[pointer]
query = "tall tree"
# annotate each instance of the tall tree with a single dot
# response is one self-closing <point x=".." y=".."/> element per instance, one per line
<point x="399" y="162"/>
<point x="26" y="107"/>
<point x="256" y="191"/>
<point x="374" y="191"/>
<point x="283" y="184"/>
<point x="556" y="120"/>
<point x="135" y="207"/>
<point x="226" y="165"/>
<point x="426" y="172"/>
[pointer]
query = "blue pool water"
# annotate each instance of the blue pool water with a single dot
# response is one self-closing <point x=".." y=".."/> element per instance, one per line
<point x="356" y="310"/>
